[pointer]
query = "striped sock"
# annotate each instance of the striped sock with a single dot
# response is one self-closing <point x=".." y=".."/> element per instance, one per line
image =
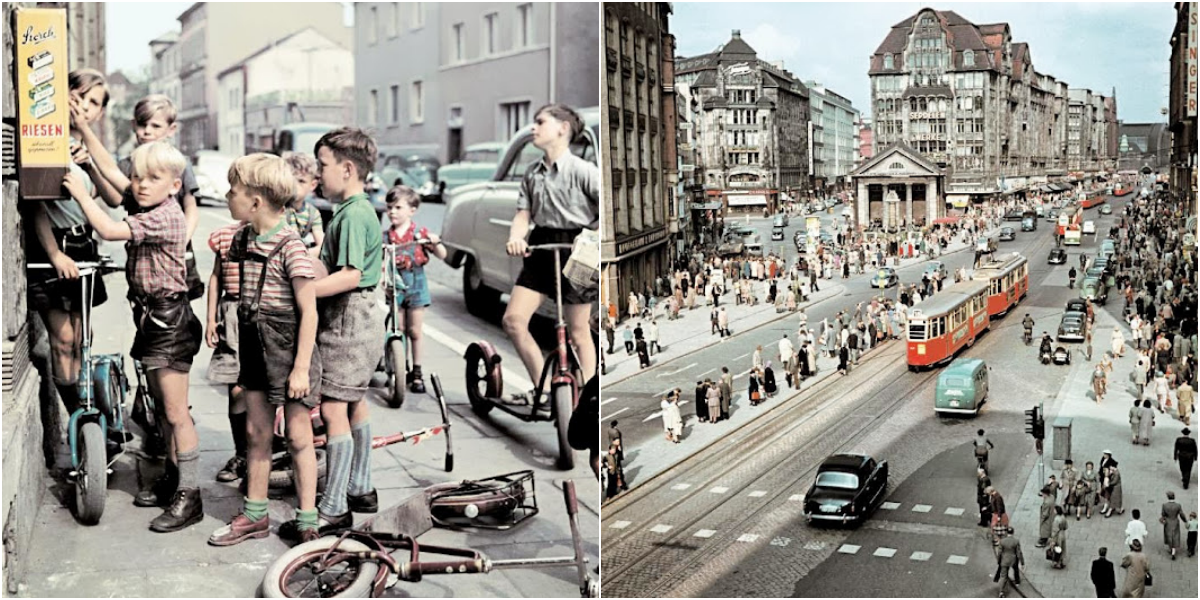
<point x="339" y="452"/>
<point x="360" y="469"/>
<point x="189" y="466"/>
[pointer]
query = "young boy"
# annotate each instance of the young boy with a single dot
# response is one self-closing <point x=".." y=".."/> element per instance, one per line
<point x="221" y="334"/>
<point x="402" y="203"/>
<point x="277" y="323"/>
<point x="168" y="334"/>
<point x="302" y="216"/>
<point x="349" y="334"/>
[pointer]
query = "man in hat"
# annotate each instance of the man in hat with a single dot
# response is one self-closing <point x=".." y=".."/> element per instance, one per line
<point x="1185" y="454"/>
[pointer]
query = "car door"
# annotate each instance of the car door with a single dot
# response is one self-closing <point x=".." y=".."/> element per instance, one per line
<point x="498" y="204"/>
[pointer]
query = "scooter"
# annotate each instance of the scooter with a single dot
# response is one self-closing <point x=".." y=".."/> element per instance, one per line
<point x="561" y="377"/>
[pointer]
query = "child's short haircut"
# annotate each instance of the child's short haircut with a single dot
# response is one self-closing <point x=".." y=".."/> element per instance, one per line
<point x="157" y="156"/>
<point x="352" y="144"/>
<point x="566" y="114"/>
<point x="147" y="107"/>
<point x="266" y="175"/>
<point x="403" y="193"/>
<point x="301" y="163"/>
<point x="83" y="80"/>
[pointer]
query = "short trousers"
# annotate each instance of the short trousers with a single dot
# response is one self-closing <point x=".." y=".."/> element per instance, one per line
<point x="416" y="292"/>
<point x="268" y="351"/>
<point x="168" y="332"/>
<point x="46" y="291"/>
<point x="350" y="338"/>
<point x="223" y="367"/>
<point x="538" y="272"/>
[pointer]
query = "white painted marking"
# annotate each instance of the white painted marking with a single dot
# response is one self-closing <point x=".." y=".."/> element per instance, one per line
<point x="681" y="486"/>
<point x="920" y="556"/>
<point x="706" y="373"/>
<point x="955" y="512"/>
<point x="603" y="402"/>
<point x="748" y="537"/>
<point x="665" y="392"/>
<point x="956" y="560"/>
<point x="757" y="494"/>
<point x="782" y="542"/>
<point x="890" y="505"/>
<point x="519" y="379"/>
<point x="922" y="508"/>
<point x="676" y="371"/>
<point x="742" y="356"/>
<point x="849" y="549"/>
<point x="796" y="498"/>
<point x="606" y="417"/>
<point x="660" y="528"/>
<point x="704" y="533"/>
<point x="652" y="416"/>
<point x="719" y="490"/>
<point x="885" y="552"/>
<point x="620" y="525"/>
<point x="814" y="546"/>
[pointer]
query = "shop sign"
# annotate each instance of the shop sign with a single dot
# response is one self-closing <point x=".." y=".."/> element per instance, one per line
<point x="627" y="246"/>
<point x="1190" y="57"/>
<point x="43" y="113"/>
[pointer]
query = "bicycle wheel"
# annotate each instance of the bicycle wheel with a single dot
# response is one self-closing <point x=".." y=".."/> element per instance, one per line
<point x="91" y="483"/>
<point x="563" y="406"/>
<point x="294" y="575"/>
<point x="396" y="357"/>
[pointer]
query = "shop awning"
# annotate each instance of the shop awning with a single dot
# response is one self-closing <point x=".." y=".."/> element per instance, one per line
<point x="746" y="199"/>
<point x="958" y="200"/>
<point x="706" y="205"/>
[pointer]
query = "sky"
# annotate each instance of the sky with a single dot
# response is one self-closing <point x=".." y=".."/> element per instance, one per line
<point x="1088" y="45"/>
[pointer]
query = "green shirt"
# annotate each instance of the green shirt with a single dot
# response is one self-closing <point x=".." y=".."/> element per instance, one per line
<point x="353" y="239"/>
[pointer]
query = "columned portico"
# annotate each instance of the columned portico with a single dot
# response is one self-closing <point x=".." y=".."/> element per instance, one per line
<point x="898" y="176"/>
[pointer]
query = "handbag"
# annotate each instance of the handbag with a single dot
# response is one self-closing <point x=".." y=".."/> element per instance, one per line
<point x="1149" y="579"/>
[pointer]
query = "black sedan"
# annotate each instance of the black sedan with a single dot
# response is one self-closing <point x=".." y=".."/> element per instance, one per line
<point x="1058" y="256"/>
<point x="1072" y="327"/>
<point x="848" y="487"/>
<point x="1007" y="234"/>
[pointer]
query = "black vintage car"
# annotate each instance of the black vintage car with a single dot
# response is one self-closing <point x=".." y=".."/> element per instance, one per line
<point x="1007" y="234"/>
<point x="848" y="487"/>
<point x="1058" y="256"/>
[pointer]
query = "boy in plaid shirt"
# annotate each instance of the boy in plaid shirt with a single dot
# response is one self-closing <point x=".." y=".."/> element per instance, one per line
<point x="168" y="334"/>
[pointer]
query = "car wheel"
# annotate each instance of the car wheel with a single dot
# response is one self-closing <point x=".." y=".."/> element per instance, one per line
<point x="482" y="301"/>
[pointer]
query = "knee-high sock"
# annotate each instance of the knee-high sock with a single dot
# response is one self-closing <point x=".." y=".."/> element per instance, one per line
<point x="339" y="453"/>
<point x="189" y="466"/>
<point x="360" y="469"/>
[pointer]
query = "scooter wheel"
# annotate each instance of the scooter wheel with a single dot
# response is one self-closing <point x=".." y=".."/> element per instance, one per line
<point x="294" y="575"/>
<point x="91" y="485"/>
<point x="481" y="383"/>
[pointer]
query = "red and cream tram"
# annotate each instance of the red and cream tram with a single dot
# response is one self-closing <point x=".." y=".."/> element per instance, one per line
<point x="946" y="323"/>
<point x="1007" y="280"/>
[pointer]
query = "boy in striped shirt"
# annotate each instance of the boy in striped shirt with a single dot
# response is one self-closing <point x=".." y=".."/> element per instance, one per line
<point x="277" y="331"/>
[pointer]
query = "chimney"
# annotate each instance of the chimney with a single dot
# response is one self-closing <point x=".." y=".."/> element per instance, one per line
<point x="737" y="33"/>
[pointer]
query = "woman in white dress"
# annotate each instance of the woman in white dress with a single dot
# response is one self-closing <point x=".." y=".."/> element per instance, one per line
<point x="1118" y="342"/>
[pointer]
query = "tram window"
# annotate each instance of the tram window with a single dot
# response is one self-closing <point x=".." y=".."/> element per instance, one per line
<point x="916" y="332"/>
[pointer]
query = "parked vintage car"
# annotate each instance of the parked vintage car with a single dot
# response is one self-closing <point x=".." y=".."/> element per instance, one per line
<point x="212" y="175"/>
<point x="415" y="166"/>
<point x="1094" y="289"/>
<point x="1071" y="327"/>
<point x="478" y="216"/>
<point x="847" y="488"/>
<point x="478" y="164"/>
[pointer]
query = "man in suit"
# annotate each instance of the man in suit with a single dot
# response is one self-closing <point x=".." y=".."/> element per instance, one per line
<point x="726" y="388"/>
<point x="1185" y="453"/>
<point x="1009" y="557"/>
<point x="701" y="402"/>
<point x="614" y="440"/>
<point x="1104" y="577"/>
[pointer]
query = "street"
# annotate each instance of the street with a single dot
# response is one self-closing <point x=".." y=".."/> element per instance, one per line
<point x="68" y="559"/>
<point x="726" y="519"/>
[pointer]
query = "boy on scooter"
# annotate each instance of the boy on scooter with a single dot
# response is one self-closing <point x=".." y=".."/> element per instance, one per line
<point x="277" y="330"/>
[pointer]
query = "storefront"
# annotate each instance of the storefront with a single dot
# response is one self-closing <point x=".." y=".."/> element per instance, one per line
<point x="740" y="202"/>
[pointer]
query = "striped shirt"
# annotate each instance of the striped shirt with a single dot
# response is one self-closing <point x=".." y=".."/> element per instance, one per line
<point x="291" y="262"/>
<point x="305" y="220"/>
<point x="219" y="242"/>
<point x="155" y="251"/>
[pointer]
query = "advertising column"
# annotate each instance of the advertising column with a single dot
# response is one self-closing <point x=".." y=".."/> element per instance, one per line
<point x="43" y="113"/>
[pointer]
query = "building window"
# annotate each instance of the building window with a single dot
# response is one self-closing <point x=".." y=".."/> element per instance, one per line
<point x="887" y="62"/>
<point x="968" y="58"/>
<point x="372" y="35"/>
<point x="394" y="103"/>
<point x="524" y="37"/>
<point x="373" y="107"/>
<point x="513" y="116"/>
<point x="490" y="22"/>
<point x="391" y="24"/>
<point x="416" y="103"/>
<point x="458" y="52"/>
<point x="418" y="15"/>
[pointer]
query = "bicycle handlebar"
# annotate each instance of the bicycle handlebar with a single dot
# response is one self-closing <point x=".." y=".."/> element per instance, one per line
<point x="558" y="246"/>
<point x="416" y="242"/>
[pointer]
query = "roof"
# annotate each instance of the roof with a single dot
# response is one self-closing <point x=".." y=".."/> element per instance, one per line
<point x="962" y="366"/>
<point x="117" y="78"/>
<point x="901" y="148"/>
<point x="948" y="298"/>
<point x="271" y="45"/>
<point x="844" y="462"/>
<point x="737" y="48"/>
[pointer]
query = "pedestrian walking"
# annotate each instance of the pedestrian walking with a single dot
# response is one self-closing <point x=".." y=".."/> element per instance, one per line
<point x="1115" y="493"/>
<point x="610" y="332"/>
<point x="1009" y="561"/>
<point x="726" y="389"/>
<point x="1091" y="479"/>
<point x="1135" y="529"/>
<point x="1170" y="518"/>
<point x="1137" y="571"/>
<point x="1187" y="399"/>
<point x="1099" y="383"/>
<point x="627" y="334"/>
<point x="1104" y="576"/>
<point x="643" y="353"/>
<point x="1191" y="538"/>
<point x="1185" y="455"/>
<point x="652" y="338"/>
<point x="982" y="483"/>
<point x="672" y="420"/>
<point x="1118" y="342"/>
<point x="754" y="389"/>
<point x="614" y="437"/>
<point x="1145" y="423"/>
<point x="1135" y="419"/>
<point x="1045" y="516"/>
<point x="999" y="514"/>
<point x="769" y="387"/>
<point x="723" y="322"/>
<point x="1057" y="551"/>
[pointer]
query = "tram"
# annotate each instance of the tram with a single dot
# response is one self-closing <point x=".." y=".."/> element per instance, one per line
<point x="1007" y="280"/>
<point x="1095" y="199"/>
<point x="946" y="323"/>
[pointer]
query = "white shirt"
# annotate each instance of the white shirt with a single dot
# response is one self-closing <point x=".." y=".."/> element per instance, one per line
<point x="785" y="349"/>
<point x="1135" y="530"/>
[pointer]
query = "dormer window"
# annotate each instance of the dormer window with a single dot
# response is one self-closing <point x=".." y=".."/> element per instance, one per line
<point x="887" y="62"/>
<point x="968" y="58"/>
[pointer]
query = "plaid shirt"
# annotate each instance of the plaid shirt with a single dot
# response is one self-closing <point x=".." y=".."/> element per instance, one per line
<point x="156" y="265"/>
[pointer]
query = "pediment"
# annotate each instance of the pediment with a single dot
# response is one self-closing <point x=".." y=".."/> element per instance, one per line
<point x="898" y="161"/>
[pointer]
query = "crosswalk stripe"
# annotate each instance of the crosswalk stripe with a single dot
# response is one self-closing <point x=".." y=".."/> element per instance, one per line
<point x="920" y="556"/>
<point x="681" y="486"/>
<point x="660" y="528"/>
<point x="796" y="498"/>
<point x="757" y="494"/>
<point x="620" y="525"/>
<point x="704" y="533"/>
<point x="956" y="560"/>
<point x="849" y="549"/>
<point x="719" y="490"/>
<point x="922" y="508"/>
<point x="747" y="537"/>
<point x="885" y="552"/>
<point x="954" y="512"/>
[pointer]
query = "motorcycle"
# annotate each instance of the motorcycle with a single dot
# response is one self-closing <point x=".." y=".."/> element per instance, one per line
<point x="1028" y="336"/>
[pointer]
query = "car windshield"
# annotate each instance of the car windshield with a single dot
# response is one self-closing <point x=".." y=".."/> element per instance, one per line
<point x="957" y="382"/>
<point x="837" y="480"/>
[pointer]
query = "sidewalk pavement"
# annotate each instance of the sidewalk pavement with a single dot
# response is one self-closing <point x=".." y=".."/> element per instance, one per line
<point x="692" y="332"/>
<point x="1147" y="473"/>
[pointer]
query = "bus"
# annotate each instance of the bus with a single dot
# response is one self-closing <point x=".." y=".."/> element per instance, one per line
<point x="1007" y="281"/>
<point x="1070" y="223"/>
<point x="938" y="328"/>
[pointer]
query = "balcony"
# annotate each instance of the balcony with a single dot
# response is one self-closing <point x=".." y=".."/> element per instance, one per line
<point x="616" y="177"/>
<point x="626" y="66"/>
<point x="653" y="125"/>
<point x="614" y="117"/>
<point x="611" y="55"/>
<point x="645" y="176"/>
<point x="641" y="122"/>
<point x="641" y="71"/>
<point x="628" y="120"/>
<point x="654" y="81"/>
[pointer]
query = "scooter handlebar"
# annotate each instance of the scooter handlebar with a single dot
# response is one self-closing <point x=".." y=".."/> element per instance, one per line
<point x="437" y="385"/>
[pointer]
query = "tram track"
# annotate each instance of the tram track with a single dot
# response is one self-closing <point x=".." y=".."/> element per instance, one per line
<point x="793" y="452"/>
